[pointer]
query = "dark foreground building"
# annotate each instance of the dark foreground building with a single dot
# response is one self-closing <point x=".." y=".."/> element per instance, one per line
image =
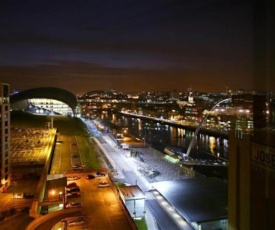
<point x="252" y="170"/>
<point x="5" y="135"/>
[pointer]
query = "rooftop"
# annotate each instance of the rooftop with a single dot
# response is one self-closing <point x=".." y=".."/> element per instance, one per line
<point x="131" y="192"/>
<point x="196" y="199"/>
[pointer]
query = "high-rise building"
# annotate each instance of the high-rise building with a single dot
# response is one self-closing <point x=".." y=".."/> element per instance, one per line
<point x="251" y="180"/>
<point x="5" y="134"/>
<point x="251" y="176"/>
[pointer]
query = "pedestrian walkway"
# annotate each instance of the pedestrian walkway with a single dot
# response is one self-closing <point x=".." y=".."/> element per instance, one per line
<point x="130" y="162"/>
<point x="129" y="168"/>
<point x="176" y="221"/>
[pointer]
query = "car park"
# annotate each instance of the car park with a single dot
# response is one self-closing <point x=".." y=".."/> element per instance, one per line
<point x="73" y="205"/>
<point x="90" y="176"/>
<point x="71" y="185"/>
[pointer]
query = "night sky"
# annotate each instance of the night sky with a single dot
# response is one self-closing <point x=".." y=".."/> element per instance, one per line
<point x="127" y="45"/>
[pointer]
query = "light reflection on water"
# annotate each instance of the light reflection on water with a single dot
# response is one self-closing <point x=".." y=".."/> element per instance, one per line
<point x="161" y="135"/>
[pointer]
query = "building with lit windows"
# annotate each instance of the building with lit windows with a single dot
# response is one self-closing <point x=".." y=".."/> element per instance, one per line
<point x="49" y="106"/>
<point x="46" y="101"/>
<point x="5" y="134"/>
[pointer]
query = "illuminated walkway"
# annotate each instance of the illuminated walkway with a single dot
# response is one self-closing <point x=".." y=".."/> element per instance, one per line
<point x="126" y="168"/>
<point x="147" y="188"/>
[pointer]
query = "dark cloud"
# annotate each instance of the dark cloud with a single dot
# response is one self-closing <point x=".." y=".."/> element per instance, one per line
<point x="128" y="45"/>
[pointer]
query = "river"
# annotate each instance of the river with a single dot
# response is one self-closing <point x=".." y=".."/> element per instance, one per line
<point x="160" y="135"/>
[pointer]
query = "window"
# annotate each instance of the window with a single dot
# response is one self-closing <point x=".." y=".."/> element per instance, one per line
<point x="6" y="90"/>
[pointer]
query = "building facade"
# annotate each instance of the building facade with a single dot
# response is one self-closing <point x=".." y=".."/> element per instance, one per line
<point x="5" y="134"/>
<point x="251" y="181"/>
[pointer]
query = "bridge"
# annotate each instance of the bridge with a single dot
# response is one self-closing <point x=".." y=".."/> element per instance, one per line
<point x="201" y="123"/>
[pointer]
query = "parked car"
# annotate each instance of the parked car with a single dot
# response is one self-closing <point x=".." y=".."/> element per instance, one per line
<point x="71" y="185"/>
<point x="73" y="205"/>
<point x="73" y="189"/>
<point x="77" y="166"/>
<point x="100" y="174"/>
<point x="73" y="218"/>
<point x="103" y="184"/>
<point x="73" y="194"/>
<point x="78" y="221"/>
<point x="90" y="176"/>
<point x="70" y="178"/>
<point x="19" y="195"/>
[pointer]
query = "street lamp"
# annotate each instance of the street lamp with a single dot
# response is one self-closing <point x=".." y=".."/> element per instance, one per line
<point x="52" y="194"/>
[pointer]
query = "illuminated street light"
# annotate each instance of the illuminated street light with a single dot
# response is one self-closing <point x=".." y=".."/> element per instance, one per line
<point x="52" y="193"/>
<point x="60" y="195"/>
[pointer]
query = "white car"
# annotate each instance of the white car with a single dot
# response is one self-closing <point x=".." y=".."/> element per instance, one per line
<point x="103" y="184"/>
<point x="73" y="205"/>
<point x="77" y="166"/>
<point x="70" y="178"/>
<point x="19" y="195"/>
<point x="78" y="221"/>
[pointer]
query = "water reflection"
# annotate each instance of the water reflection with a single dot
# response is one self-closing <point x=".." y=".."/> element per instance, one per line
<point x="161" y="135"/>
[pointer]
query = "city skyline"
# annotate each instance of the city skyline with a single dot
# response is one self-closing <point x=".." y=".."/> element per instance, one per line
<point x="127" y="46"/>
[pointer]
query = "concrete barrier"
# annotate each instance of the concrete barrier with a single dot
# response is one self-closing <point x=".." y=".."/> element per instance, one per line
<point x="39" y="221"/>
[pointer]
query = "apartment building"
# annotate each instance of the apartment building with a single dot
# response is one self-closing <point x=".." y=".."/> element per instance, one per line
<point x="5" y="134"/>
